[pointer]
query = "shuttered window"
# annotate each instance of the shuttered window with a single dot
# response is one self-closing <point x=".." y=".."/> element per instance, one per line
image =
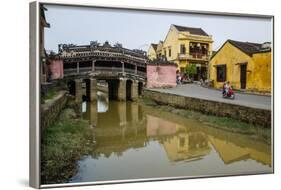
<point x="221" y="73"/>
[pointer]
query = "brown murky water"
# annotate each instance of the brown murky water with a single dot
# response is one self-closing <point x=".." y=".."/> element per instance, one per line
<point x="138" y="142"/>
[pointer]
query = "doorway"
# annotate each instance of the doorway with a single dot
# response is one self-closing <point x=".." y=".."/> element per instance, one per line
<point x="243" y="76"/>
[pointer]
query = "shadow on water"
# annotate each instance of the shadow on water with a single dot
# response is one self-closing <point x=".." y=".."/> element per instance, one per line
<point x="131" y="139"/>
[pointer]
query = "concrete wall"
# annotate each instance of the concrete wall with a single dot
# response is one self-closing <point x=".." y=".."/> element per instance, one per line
<point x="56" y="68"/>
<point x="246" y="114"/>
<point x="161" y="76"/>
<point x="52" y="108"/>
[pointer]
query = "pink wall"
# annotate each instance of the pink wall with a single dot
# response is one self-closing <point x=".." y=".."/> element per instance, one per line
<point x="56" y="68"/>
<point x="161" y="76"/>
<point x="159" y="127"/>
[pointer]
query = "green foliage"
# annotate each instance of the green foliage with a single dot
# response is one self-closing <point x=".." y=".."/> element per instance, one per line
<point x="191" y="69"/>
<point x="62" y="145"/>
<point x="49" y="95"/>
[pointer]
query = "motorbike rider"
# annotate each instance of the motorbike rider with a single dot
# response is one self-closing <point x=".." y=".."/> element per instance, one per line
<point x="227" y="87"/>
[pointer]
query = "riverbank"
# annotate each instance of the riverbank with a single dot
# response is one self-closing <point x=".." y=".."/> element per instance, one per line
<point x="63" y="143"/>
<point x="254" y="110"/>
<point x="223" y="123"/>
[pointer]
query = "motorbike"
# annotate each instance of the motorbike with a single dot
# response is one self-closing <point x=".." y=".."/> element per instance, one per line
<point x="230" y="94"/>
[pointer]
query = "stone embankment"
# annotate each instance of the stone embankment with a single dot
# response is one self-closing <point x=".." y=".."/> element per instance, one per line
<point x="255" y="116"/>
<point x="52" y="108"/>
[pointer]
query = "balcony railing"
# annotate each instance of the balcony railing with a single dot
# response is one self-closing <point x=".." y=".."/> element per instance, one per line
<point x="194" y="56"/>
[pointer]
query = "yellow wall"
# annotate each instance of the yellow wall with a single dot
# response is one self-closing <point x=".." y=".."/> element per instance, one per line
<point x="171" y="41"/>
<point x="258" y="68"/>
<point x="262" y="72"/>
<point x="151" y="53"/>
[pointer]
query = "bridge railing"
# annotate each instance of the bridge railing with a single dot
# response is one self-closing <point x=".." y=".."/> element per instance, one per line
<point x="85" y="69"/>
<point x="109" y="69"/>
<point x="112" y="70"/>
<point x="69" y="71"/>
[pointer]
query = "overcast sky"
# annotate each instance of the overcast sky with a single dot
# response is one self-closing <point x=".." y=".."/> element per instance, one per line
<point x="137" y="29"/>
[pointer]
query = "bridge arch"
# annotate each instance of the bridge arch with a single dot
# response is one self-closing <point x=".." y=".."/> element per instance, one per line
<point x="140" y="88"/>
<point x="129" y="88"/>
<point x="113" y="85"/>
<point x="87" y="86"/>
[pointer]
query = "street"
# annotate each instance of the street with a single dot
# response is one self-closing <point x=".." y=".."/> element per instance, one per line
<point x="196" y="91"/>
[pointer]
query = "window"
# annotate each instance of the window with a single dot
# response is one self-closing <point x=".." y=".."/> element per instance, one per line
<point x="170" y="52"/>
<point x="182" y="69"/>
<point x="182" y="49"/>
<point x="182" y="141"/>
<point x="221" y="73"/>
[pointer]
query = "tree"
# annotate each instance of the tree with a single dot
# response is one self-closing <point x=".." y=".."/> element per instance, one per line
<point x="191" y="70"/>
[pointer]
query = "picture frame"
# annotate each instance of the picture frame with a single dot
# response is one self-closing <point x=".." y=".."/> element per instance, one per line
<point x="36" y="91"/>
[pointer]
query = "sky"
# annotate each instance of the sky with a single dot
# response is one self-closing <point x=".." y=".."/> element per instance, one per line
<point x="138" y="29"/>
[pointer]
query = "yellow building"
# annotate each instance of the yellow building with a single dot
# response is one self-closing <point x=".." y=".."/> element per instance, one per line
<point x="152" y="52"/>
<point x="245" y="65"/>
<point x="185" y="45"/>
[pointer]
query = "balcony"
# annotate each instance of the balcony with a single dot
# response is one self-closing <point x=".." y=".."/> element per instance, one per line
<point x="194" y="56"/>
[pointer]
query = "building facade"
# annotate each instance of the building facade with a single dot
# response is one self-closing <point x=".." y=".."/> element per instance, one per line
<point x="245" y="65"/>
<point x="186" y="45"/>
<point x="152" y="52"/>
<point x="43" y="24"/>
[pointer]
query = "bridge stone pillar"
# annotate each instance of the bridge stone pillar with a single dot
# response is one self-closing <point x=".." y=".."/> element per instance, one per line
<point x="134" y="91"/>
<point x="93" y="117"/>
<point x="123" y="68"/>
<point x="121" y="96"/>
<point x="78" y="90"/>
<point x="93" y="89"/>
<point x="77" y="68"/>
<point x="135" y="112"/>
<point x="93" y="65"/>
<point x="122" y="113"/>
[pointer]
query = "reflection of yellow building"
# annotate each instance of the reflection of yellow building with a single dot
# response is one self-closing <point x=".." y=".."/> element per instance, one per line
<point x="230" y="152"/>
<point x="184" y="45"/>
<point x="246" y="65"/>
<point x="187" y="146"/>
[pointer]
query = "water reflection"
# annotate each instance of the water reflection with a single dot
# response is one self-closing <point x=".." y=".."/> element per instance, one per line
<point x="134" y="141"/>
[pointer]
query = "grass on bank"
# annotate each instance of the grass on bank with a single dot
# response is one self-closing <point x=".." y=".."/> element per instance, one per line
<point x="223" y="123"/>
<point x="62" y="145"/>
<point x="49" y="95"/>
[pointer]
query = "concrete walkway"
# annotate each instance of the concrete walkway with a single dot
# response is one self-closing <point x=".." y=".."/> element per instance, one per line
<point x="196" y="91"/>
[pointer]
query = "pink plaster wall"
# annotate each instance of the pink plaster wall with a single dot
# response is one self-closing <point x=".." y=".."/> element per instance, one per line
<point x="158" y="127"/>
<point x="161" y="76"/>
<point x="56" y="68"/>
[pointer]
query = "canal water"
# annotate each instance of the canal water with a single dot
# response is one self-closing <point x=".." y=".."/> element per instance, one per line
<point x="133" y="141"/>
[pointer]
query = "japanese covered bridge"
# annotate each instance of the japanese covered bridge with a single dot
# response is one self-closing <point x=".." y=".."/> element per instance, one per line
<point x="124" y="70"/>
